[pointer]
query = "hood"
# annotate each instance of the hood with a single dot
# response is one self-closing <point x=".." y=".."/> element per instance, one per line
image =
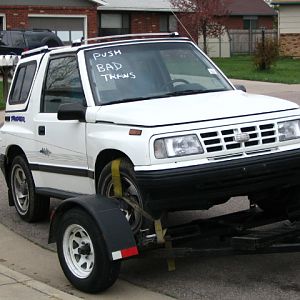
<point x="191" y="108"/>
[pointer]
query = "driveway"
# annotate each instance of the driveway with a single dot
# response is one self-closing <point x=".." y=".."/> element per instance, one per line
<point x="280" y="90"/>
<point x="274" y="276"/>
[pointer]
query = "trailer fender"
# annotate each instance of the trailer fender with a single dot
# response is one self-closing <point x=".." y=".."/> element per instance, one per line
<point x="119" y="239"/>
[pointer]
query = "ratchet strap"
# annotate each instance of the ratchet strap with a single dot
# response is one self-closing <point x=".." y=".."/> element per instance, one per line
<point x="118" y="193"/>
<point x="160" y="235"/>
<point x="116" y="178"/>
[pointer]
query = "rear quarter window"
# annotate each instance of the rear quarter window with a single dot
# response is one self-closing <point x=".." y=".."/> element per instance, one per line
<point x="4" y="38"/>
<point x="22" y="83"/>
<point x="17" y="39"/>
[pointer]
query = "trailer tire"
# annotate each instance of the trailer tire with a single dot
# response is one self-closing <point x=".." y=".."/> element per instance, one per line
<point x="30" y="206"/>
<point x="82" y="253"/>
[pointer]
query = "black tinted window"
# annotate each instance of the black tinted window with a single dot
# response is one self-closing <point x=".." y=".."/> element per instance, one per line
<point x="62" y="84"/>
<point x="3" y="38"/>
<point x="22" y="84"/>
<point x="17" y="39"/>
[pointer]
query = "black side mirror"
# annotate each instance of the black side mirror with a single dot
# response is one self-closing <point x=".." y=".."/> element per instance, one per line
<point x="240" y="87"/>
<point x="71" y="111"/>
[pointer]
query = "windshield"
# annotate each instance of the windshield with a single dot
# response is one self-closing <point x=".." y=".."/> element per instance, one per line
<point x="150" y="70"/>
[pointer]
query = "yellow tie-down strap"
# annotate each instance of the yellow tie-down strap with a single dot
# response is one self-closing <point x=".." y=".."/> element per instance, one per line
<point x="116" y="178"/>
<point x="160" y="232"/>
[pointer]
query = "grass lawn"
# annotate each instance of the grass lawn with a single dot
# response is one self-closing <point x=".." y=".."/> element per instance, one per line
<point x="286" y="70"/>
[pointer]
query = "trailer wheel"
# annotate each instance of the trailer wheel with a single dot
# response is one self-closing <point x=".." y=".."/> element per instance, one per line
<point x="30" y="206"/>
<point x="82" y="253"/>
<point x="130" y="190"/>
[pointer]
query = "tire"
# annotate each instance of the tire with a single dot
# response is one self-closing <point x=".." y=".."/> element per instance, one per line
<point x="130" y="189"/>
<point x="51" y="44"/>
<point x="30" y="206"/>
<point x="273" y="203"/>
<point x="88" y="267"/>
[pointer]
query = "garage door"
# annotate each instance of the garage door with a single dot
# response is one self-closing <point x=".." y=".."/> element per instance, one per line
<point x="67" y="28"/>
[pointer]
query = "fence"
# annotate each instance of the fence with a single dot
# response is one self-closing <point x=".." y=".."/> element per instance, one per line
<point x="244" y="41"/>
<point x="236" y="42"/>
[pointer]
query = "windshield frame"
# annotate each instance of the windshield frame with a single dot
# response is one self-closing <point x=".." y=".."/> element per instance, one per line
<point x="198" y="51"/>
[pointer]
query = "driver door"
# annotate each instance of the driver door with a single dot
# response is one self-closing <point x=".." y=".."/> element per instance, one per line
<point x="61" y="166"/>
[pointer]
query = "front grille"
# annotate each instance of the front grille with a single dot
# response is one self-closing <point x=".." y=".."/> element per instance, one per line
<point x="226" y="139"/>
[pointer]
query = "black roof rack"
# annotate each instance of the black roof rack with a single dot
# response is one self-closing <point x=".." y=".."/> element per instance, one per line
<point x="28" y="29"/>
<point x="43" y="49"/>
<point x="124" y="36"/>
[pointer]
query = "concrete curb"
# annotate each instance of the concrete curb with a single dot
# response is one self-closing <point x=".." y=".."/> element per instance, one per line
<point x="29" y="286"/>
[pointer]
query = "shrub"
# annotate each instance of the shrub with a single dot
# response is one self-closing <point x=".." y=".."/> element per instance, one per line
<point x="266" y="53"/>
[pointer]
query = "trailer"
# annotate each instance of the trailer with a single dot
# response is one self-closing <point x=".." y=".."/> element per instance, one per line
<point x="93" y="236"/>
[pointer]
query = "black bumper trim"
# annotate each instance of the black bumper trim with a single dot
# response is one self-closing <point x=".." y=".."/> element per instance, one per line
<point x="244" y="166"/>
<point x="199" y="187"/>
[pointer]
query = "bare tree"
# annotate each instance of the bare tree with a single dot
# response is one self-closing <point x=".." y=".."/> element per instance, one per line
<point x="202" y="17"/>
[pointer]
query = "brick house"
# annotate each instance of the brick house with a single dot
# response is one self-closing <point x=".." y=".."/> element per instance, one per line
<point x="89" y="18"/>
<point x="289" y="27"/>
<point x="136" y="16"/>
<point x="250" y="14"/>
<point x="70" y="20"/>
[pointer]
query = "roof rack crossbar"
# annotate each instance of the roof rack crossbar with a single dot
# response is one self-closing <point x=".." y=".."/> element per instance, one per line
<point x="121" y="36"/>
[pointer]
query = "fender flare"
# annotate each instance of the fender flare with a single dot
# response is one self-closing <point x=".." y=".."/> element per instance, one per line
<point x="116" y="231"/>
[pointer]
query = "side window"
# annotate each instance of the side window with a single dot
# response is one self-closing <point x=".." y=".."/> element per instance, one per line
<point x="4" y="38"/>
<point x="62" y="85"/>
<point x="22" y="83"/>
<point x="18" y="39"/>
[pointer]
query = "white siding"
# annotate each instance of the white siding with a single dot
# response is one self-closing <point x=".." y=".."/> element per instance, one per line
<point x="138" y="5"/>
<point x="289" y="19"/>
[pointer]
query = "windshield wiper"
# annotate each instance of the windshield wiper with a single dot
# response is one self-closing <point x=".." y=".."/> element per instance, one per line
<point x="176" y="93"/>
<point x="191" y="92"/>
<point x="126" y="100"/>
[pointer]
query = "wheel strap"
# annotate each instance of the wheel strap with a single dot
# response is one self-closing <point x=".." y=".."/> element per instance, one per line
<point x="116" y="178"/>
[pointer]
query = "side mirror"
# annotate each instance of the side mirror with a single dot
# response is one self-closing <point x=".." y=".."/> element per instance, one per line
<point x="240" y="87"/>
<point x="71" y="111"/>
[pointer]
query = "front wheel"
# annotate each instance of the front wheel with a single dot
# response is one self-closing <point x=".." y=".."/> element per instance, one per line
<point x="82" y="253"/>
<point x="30" y="206"/>
<point x="130" y="190"/>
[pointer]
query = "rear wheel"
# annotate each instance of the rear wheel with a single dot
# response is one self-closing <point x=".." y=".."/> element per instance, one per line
<point x="130" y="190"/>
<point x="274" y="203"/>
<point x="30" y="206"/>
<point x="82" y="253"/>
<point x="51" y="44"/>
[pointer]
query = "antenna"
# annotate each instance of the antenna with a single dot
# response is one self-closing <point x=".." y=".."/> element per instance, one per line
<point x="185" y="29"/>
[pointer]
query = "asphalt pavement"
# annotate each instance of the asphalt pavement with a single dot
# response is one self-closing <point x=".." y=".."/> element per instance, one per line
<point x="29" y="267"/>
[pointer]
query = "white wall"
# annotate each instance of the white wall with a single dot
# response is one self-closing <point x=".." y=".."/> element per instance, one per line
<point x="289" y="19"/>
<point x="217" y="47"/>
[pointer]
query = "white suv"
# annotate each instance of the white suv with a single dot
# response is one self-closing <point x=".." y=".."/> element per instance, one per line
<point x="186" y="137"/>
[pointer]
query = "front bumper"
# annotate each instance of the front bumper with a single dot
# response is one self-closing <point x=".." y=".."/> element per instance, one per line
<point x="202" y="186"/>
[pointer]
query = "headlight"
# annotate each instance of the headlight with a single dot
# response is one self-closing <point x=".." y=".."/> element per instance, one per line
<point x="289" y="130"/>
<point x="177" y="146"/>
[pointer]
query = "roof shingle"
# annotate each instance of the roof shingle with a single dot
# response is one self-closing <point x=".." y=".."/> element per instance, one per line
<point x="249" y="7"/>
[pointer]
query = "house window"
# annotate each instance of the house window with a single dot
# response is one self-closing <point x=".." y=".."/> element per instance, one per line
<point x="112" y="24"/>
<point x="1" y="23"/>
<point x="168" y="23"/>
<point x="250" y="23"/>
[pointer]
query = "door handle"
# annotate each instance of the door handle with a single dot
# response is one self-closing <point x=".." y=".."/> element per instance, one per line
<point x="42" y="130"/>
